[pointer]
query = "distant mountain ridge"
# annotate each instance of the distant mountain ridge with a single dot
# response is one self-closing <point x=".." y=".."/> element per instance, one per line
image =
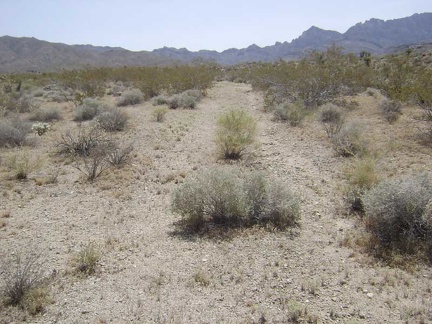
<point x="375" y="35"/>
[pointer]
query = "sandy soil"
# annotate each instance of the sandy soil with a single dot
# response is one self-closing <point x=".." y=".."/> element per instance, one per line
<point x="147" y="274"/>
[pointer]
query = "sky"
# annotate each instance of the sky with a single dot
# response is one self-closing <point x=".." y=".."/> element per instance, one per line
<point x="192" y="24"/>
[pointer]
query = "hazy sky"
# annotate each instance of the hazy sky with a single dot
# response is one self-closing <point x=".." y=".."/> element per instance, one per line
<point x="219" y="25"/>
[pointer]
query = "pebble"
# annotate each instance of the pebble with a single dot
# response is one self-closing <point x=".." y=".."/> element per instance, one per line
<point x="370" y="295"/>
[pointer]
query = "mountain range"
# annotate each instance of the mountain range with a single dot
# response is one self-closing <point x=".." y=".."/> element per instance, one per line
<point x="375" y="36"/>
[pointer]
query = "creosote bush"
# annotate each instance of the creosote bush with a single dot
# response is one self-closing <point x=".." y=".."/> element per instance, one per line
<point x="390" y="109"/>
<point x="130" y="97"/>
<point x="236" y="132"/>
<point x="226" y="197"/>
<point x="398" y="213"/>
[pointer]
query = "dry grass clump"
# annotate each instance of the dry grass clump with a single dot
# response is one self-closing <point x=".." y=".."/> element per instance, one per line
<point x="23" y="284"/>
<point x="86" y="260"/>
<point x="227" y="198"/>
<point x="362" y="176"/>
<point x="130" y="97"/>
<point x="22" y="164"/>
<point x="390" y="109"/>
<point x="398" y="214"/>
<point x="236" y="132"/>
<point x="331" y="118"/>
<point x="119" y="155"/>
<point x="159" y="113"/>
<point x="13" y="132"/>
<point x="293" y="113"/>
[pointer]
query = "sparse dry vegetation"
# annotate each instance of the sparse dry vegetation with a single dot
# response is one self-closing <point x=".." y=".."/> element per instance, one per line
<point x="188" y="235"/>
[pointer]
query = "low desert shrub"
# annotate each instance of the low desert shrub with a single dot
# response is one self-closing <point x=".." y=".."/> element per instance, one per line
<point x="362" y="177"/>
<point x="13" y="132"/>
<point x="390" y="109"/>
<point x="86" y="260"/>
<point x="38" y="93"/>
<point x="112" y="119"/>
<point x="46" y="115"/>
<point x="161" y="100"/>
<point x="23" y="283"/>
<point x="236" y="132"/>
<point x="159" y="113"/>
<point x="344" y="103"/>
<point x="331" y="118"/>
<point x="398" y="213"/>
<point x="119" y="155"/>
<point x="349" y="141"/>
<point x="226" y="197"/>
<point x="89" y="109"/>
<point x="81" y="141"/>
<point x="19" y="102"/>
<point x="186" y="99"/>
<point x="190" y="98"/>
<point x="174" y="102"/>
<point x="293" y="113"/>
<point x="130" y="97"/>
<point x="96" y="162"/>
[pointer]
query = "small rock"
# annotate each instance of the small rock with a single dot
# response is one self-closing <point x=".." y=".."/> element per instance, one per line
<point x="370" y="295"/>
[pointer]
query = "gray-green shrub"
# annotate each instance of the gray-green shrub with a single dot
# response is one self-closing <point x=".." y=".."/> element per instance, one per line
<point x="236" y="131"/>
<point x="398" y="212"/>
<point x="112" y="119"/>
<point x="293" y="113"/>
<point x="13" y="131"/>
<point x="226" y="197"/>
<point x="349" y="141"/>
<point x="89" y="109"/>
<point x="130" y="97"/>
<point x="46" y="115"/>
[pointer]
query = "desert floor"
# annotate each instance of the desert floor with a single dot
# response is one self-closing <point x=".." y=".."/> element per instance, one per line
<point x="148" y="273"/>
